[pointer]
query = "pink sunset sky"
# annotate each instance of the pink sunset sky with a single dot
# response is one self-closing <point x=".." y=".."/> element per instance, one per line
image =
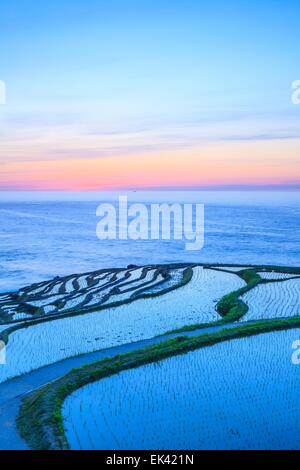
<point x="247" y="163"/>
<point x="148" y="95"/>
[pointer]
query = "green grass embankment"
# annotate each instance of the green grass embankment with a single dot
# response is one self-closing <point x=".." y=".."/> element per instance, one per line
<point x="40" y="420"/>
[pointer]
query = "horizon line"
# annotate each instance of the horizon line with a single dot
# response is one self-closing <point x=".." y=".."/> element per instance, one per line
<point x="254" y="187"/>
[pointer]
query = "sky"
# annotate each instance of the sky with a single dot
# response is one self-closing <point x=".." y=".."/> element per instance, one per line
<point x="108" y="94"/>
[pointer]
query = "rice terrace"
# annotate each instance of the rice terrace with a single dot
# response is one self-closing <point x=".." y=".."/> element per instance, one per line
<point x="182" y="356"/>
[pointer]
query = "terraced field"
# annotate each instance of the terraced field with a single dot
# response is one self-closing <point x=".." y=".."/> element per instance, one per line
<point x="176" y="308"/>
<point x="48" y="342"/>
<point x="197" y="401"/>
<point x="86" y="291"/>
<point x="273" y="300"/>
<point x="275" y="276"/>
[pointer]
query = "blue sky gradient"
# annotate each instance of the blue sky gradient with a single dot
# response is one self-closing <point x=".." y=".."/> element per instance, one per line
<point x="126" y="78"/>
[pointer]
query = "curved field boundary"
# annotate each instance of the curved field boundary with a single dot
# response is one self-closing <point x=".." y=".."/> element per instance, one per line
<point x="47" y="343"/>
<point x="277" y="276"/>
<point x="111" y="281"/>
<point x="40" y="420"/>
<point x="257" y="267"/>
<point x="231" y="307"/>
<point x="276" y="299"/>
<point x="14" y="326"/>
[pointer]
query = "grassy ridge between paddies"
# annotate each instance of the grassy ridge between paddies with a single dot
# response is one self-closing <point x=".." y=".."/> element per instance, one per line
<point x="187" y="276"/>
<point x="14" y="326"/>
<point x="232" y="307"/>
<point x="40" y="420"/>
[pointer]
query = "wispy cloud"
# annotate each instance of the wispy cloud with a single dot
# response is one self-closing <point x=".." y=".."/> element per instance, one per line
<point x="68" y="136"/>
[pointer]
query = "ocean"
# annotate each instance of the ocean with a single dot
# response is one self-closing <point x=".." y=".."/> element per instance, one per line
<point x="48" y="235"/>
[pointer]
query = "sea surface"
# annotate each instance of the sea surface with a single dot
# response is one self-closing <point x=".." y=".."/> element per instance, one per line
<point x="42" y="235"/>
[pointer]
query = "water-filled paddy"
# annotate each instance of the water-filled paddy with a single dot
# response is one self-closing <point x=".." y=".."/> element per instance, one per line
<point x="273" y="275"/>
<point x="273" y="300"/>
<point x="241" y="394"/>
<point x="46" y="343"/>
